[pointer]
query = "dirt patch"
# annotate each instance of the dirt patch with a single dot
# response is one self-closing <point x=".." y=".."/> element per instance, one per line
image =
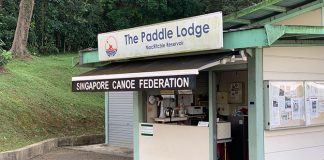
<point x="3" y="70"/>
<point x="26" y="57"/>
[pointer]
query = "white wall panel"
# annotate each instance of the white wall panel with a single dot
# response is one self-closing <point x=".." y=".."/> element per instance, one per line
<point x="294" y="63"/>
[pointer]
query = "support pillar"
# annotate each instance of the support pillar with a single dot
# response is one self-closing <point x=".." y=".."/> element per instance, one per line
<point x="138" y="118"/>
<point x="106" y="117"/>
<point x="256" y="107"/>
<point x="322" y="16"/>
<point x="212" y="115"/>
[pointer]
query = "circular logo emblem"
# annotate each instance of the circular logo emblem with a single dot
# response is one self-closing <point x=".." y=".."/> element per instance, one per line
<point x="111" y="46"/>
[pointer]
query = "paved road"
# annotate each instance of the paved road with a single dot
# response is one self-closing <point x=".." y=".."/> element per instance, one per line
<point x="68" y="154"/>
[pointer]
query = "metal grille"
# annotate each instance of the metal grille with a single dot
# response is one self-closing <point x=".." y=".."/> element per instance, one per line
<point x="120" y="121"/>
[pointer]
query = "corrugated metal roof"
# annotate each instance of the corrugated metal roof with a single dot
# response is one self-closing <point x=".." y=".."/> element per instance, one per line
<point x="230" y="25"/>
<point x="302" y="37"/>
<point x="293" y="3"/>
<point x="268" y="9"/>
<point x="259" y="14"/>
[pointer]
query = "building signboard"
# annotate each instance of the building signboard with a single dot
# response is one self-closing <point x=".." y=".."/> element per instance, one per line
<point x="200" y="33"/>
<point x="133" y="84"/>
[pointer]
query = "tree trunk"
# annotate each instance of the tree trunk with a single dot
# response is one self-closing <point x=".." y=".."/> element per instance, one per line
<point x="19" y="45"/>
<point x="1" y="4"/>
<point x="42" y="19"/>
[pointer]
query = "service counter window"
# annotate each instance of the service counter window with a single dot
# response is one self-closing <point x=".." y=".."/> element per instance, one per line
<point x="189" y="107"/>
<point x="180" y="107"/>
<point x="181" y="118"/>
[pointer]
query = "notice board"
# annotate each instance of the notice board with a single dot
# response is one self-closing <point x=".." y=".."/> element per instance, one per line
<point x="293" y="104"/>
<point x="285" y="106"/>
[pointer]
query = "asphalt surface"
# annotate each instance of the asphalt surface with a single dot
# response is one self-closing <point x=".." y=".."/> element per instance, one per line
<point x="69" y="154"/>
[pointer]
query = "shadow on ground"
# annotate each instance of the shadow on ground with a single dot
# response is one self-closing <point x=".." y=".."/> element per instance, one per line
<point x="71" y="154"/>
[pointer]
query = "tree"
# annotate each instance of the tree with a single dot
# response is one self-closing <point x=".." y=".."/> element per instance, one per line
<point x="71" y="25"/>
<point x="19" y="45"/>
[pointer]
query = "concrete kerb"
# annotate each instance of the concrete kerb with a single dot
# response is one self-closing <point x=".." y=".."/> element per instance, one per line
<point x="105" y="149"/>
<point x="82" y="140"/>
<point x="43" y="147"/>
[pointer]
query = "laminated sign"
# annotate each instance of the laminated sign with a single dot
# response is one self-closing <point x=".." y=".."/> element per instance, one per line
<point x="193" y="34"/>
<point x="147" y="129"/>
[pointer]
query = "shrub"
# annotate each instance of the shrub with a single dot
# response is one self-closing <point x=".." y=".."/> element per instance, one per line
<point x="1" y="44"/>
<point x="48" y="48"/>
<point x="5" y="57"/>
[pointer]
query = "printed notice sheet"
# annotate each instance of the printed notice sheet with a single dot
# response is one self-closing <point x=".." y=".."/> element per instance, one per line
<point x="275" y="114"/>
<point x="313" y="103"/>
<point x="297" y="104"/>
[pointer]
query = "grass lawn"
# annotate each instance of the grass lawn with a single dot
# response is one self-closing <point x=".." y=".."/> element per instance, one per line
<point x="36" y="102"/>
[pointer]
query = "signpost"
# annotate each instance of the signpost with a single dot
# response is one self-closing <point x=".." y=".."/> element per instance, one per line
<point x="192" y="34"/>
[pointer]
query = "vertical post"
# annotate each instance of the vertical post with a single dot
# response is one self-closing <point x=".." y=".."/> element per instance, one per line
<point x="138" y="118"/>
<point x="106" y="117"/>
<point x="322" y="16"/>
<point x="212" y="115"/>
<point x="256" y="111"/>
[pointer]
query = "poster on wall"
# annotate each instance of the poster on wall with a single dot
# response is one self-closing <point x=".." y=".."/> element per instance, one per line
<point x="235" y="93"/>
<point x="313" y="102"/>
<point x="275" y="114"/>
<point x="284" y="117"/>
<point x="314" y="92"/>
<point x="321" y="106"/>
<point x="297" y="108"/>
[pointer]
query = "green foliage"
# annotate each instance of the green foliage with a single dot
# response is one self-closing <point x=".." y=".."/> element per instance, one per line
<point x="48" y="48"/>
<point x="8" y="21"/>
<point x="72" y="25"/>
<point x="5" y="57"/>
<point x="228" y="6"/>
<point x="1" y="43"/>
<point x="132" y="13"/>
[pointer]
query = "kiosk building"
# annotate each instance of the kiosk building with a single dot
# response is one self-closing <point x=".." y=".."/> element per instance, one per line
<point x="249" y="85"/>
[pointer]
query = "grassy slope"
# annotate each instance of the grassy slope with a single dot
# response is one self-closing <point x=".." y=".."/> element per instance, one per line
<point x="36" y="103"/>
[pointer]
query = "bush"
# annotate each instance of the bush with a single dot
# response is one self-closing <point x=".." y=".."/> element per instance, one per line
<point x="48" y="48"/>
<point x="1" y="44"/>
<point x="5" y="57"/>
